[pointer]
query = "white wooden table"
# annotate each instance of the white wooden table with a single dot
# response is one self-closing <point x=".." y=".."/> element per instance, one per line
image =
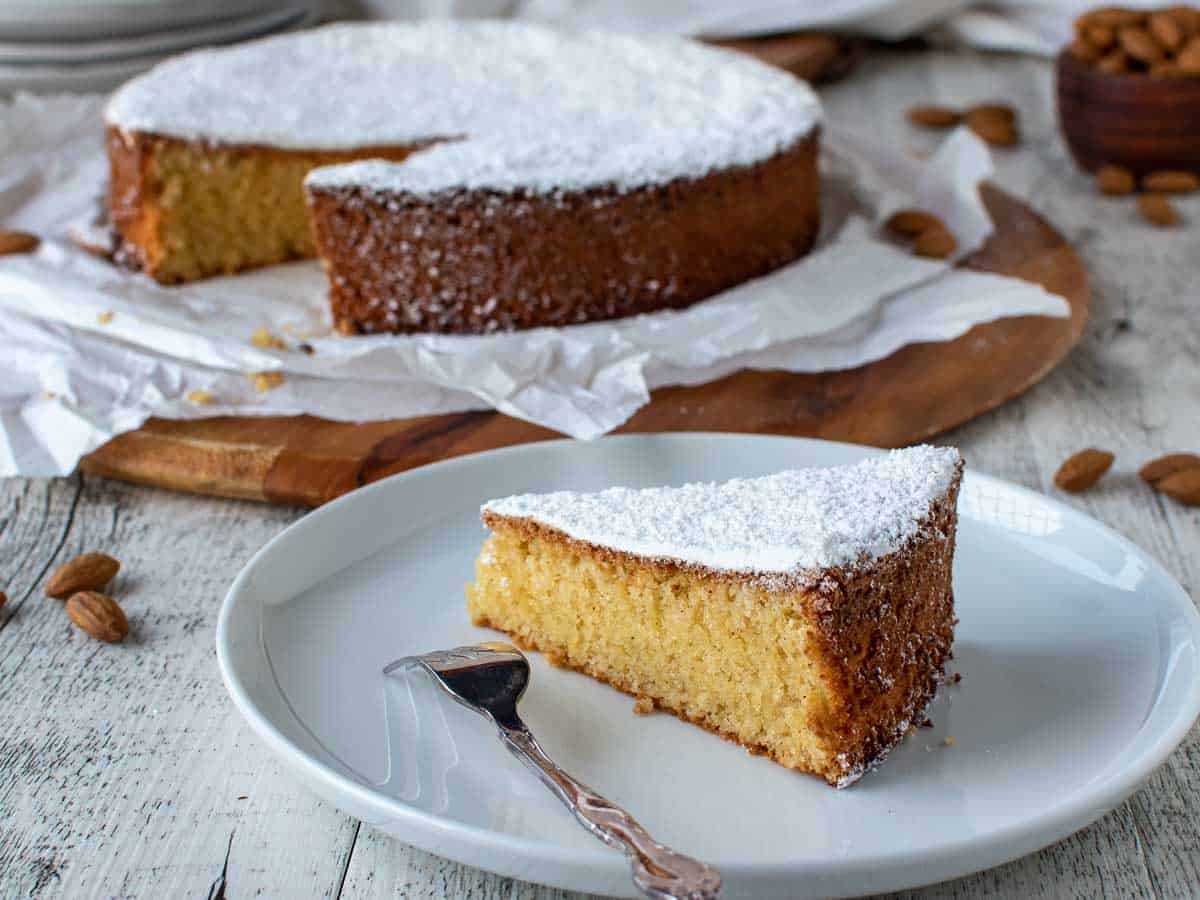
<point x="125" y="771"/>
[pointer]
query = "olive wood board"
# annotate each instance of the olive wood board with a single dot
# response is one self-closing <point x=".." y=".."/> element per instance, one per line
<point x="918" y="391"/>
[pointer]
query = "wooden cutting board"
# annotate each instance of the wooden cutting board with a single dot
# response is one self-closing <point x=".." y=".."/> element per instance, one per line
<point x="916" y="392"/>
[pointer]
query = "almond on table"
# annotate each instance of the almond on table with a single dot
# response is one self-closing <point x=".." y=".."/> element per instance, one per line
<point x="1171" y="182"/>
<point x="929" y="115"/>
<point x="98" y="615"/>
<point x="1157" y="209"/>
<point x="996" y="123"/>
<point x="1183" y="486"/>
<point x="1082" y="470"/>
<point x="1163" y="466"/>
<point x="86" y="572"/>
<point x="1115" y="180"/>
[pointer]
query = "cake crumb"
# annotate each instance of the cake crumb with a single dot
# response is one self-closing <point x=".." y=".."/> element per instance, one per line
<point x="307" y="349"/>
<point x="262" y="337"/>
<point x="555" y="659"/>
<point x="949" y="741"/>
<point x="643" y="706"/>
<point x="265" y="381"/>
<point x="105" y="317"/>
<point x="200" y="397"/>
<point x="956" y="678"/>
<point x="49" y="395"/>
<point x="927" y="722"/>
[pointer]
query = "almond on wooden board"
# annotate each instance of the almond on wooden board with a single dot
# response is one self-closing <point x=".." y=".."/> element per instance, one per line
<point x="911" y="222"/>
<point x="1116" y="181"/>
<point x="1157" y="209"/>
<point x="86" y="572"/>
<point x="17" y="242"/>
<point x="1170" y="182"/>
<point x="931" y="115"/>
<point x="1159" y="468"/>
<point x="1082" y="470"/>
<point x="99" y="615"/>
<point x="934" y="243"/>
<point x="1182" y="486"/>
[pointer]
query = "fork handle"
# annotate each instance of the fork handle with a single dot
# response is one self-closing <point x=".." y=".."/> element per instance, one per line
<point x="658" y="871"/>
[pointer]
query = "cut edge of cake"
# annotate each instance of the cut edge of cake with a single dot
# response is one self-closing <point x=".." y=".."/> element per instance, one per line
<point x="862" y="644"/>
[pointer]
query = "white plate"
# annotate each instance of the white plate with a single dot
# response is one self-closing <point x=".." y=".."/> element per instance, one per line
<point x="107" y="74"/>
<point x="1078" y="654"/>
<point x="62" y="53"/>
<point x="85" y="20"/>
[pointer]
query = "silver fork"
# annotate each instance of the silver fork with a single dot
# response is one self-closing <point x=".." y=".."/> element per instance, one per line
<point x="490" y="679"/>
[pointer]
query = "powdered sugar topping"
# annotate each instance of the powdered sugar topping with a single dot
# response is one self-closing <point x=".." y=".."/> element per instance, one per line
<point x="518" y="106"/>
<point x="786" y="523"/>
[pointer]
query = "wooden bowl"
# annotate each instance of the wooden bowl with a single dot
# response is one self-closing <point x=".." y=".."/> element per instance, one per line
<point x="1144" y="124"/>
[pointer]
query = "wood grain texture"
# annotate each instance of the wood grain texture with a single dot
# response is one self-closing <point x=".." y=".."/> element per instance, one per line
<point x="1144" y="124"/>
<point x="917" y="392"/>
<point x="125" y="772"/>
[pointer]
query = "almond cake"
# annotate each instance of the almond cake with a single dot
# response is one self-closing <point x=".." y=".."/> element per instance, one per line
<point x="807" y="615"/>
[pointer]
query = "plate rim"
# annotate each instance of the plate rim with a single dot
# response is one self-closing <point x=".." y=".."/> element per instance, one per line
<point x="1049" y="826"/>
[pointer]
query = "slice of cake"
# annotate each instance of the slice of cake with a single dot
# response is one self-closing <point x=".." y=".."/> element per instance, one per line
<point x="807" y="615"/>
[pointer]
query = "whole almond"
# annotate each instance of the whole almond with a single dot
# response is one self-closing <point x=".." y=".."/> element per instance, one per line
<point x="1182" y="486"/>
<point x="1083" y="469"/>
<point x="86" y="572"/>
<point x="98" y="615"/>
<point x="17" y="242"/>
<point x="1100" y="36"/>
<point x="1157" y="209"/>
<point x="1115" y="62"/>
<point x="934" y="243"/>
<point x="1187" y="17"/>
<point x="1169" y="182"/>
<point x="1084" y="50"/>
<point x="1188" y="59"/>
<point x="1157" y="469"/>
<point x="1115" y="181"/>
<point x="911" y="222"/>
<point x="1138" y="44"/>
<point x="995" y="123"/>
<point x="1165" y="29"/>
<point x="930" y="115"/>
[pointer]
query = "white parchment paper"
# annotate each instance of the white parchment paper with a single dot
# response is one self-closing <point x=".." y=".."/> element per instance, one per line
<point x="88" y="350"/>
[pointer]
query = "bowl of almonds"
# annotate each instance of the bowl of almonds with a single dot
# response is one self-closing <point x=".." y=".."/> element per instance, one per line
<point x="1129" y="89"/>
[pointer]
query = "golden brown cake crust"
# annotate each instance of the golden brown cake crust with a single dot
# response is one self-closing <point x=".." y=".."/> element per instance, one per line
<point x="478" y="261"/>
<point x="884" y="627"/>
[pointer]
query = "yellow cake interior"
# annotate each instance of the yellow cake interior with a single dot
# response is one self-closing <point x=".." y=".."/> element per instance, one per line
<point x="692" y="643"/>
<point x="200" y="210"/>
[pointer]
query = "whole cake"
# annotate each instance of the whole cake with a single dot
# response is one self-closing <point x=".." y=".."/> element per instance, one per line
<point x="493" y="175"/>
<point x="807" y="615"/>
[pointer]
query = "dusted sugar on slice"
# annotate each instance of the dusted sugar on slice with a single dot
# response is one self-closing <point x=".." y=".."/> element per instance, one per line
<point x="807" y="615"/>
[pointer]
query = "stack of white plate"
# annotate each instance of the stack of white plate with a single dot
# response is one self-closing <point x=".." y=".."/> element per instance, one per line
<point x="93" y="45"/>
